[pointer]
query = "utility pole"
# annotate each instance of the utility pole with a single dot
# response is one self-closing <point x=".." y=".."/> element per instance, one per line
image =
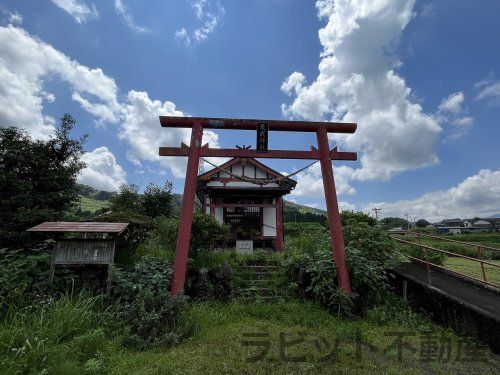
<point x="407" y="221"/>
<point x="376" y="210"/>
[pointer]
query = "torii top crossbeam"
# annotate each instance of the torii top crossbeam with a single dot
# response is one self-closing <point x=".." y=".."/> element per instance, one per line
<point x="195" y="150"/>
<point x="249" y="124"/>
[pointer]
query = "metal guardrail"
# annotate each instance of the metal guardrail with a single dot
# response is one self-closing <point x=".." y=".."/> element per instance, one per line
<point x="471" y="244"/>
<point x="428" y="264"/>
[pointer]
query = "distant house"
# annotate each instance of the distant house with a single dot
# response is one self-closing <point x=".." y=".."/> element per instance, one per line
<point x="452" y="230"/>
<point x="396" y="230"/>
<point x="468" y="223"/>
<point x="452" y="223"/>
<point x="482" y="225"/>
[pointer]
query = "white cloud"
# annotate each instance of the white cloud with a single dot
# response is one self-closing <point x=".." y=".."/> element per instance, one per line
<point x="357" y="82"/>
<point x="123" y="11"/>
<point x="478" y="195"/>
<point x="452" y="103"/>
<point x="80" y="11"/>
<point x="25" y="64"/>
<point x="489" y="90"/>
<point x="15" y="19"/>
<point x="310" y="182"/>
<point x="346" y="206"/>
<point x="209" y="13"/>
<point x="294" y="83"/>
<point x="142" y="131"/>
<point x="452" y="111"/>
<point x="102" y="171"/>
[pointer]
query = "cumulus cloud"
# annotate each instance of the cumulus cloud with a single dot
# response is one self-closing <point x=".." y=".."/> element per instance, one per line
<point x="357" y="82"/>
<point x="102" y="171"/>
<point x="209" y="13"/>
<point x="142" y="131"/>
<point x="310" y="182"/>
<point x="488" y="90"/>
<point x="452" y="103"/>
<point x="452" y="111"/>
<point x="124" y="11"/>
<point x="25" y="63"/>
<point x="478" y="195"/>
<point x="80" y="11"/>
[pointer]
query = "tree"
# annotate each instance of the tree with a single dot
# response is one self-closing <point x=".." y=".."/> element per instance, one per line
<point x="394" y="222"/>
<point x="37" y="180"/>
<point x="422" y="223"/>
<point x="127" y="200"/>
<point x="157" y="201"/>
<point x="353" y="217"/>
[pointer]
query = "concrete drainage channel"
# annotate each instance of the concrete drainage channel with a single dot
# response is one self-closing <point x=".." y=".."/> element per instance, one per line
<point x="464" y="306"/>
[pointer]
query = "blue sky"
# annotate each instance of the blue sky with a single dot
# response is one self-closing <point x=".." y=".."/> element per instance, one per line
<point x="421" y="79"/>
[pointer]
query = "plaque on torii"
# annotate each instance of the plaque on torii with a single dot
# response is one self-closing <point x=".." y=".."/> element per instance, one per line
<point x="196" y="150"/>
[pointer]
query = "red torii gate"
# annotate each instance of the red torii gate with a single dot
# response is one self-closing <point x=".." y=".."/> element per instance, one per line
<point x="195" y="150"/>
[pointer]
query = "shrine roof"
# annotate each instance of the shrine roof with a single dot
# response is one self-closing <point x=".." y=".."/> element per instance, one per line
<point x="79" y="227"/>
<point x="285" y="183"/>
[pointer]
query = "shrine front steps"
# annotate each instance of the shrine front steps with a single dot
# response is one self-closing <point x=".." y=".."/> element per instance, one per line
<point x="257" y="282"/>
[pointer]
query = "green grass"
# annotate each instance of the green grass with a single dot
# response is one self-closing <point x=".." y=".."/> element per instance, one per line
<point x="91" y="205"/>
<point x="217" y="346"/>
<point x="52" y="336"/>
<point x="485" y="239"/>
<point x="76" y="336"/>
<point x="473" y="269"/>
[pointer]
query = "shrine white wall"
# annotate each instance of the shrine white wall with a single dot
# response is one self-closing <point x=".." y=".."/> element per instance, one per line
<point x="269" y="221"/>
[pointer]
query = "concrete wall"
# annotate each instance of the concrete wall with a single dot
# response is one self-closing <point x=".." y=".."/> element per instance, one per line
<point x="462" y="317"/>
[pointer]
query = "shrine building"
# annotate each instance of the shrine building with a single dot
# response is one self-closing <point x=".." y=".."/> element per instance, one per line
<point x="248" y="196"/>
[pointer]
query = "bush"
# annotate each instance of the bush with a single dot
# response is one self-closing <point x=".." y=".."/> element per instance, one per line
<point x="148" y="274"/>
<point x="414" y="251"/>
<point x="296" y="229"/>
<point x="206" y="231"/>
<point x="353" y="217"/>
<point x="149" y="315"/>
<point x="160" y="243"/>
<point x="369" y="253"/>
<point x="154" y="319"/>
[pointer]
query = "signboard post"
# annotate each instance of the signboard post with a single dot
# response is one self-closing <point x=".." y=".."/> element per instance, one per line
<point x="262" y="136"/>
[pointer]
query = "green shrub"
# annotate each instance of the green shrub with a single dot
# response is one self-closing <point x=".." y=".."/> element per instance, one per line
<point x="160" y="243"/>
<point x="146" y="311"/>
<point x="296" y="229"/>
<point x="353" y="217"/>
<point x="369" y="253"/>
<point x="25" y="270"/>
<point x="416" y="252"/>
<point x="154" y="319"/>
<point x="206" y="231"/>
<point x="22" y="269"/>
<point x="147" y="274"/>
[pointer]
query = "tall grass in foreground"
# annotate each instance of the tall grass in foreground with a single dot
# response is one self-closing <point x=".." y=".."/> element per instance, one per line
<point x="52" y="335"/>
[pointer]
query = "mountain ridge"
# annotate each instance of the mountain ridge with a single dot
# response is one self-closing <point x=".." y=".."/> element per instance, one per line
<point x="103" y="196"/>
